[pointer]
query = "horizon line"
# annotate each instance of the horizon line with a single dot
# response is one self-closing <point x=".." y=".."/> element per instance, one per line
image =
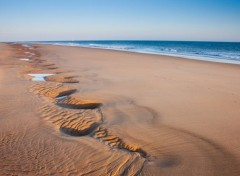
<point x="22" y="41"/>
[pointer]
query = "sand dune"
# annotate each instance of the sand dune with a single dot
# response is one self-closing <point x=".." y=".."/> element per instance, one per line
<point x="62" y="78"/>
<point x="123" y="114"/>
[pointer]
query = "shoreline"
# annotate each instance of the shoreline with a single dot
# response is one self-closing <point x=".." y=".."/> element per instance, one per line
<point x="149" y="54"/>
<point x="194" y="58"/>
<point x="122" y="113"/>
<point x="198" y="58"/>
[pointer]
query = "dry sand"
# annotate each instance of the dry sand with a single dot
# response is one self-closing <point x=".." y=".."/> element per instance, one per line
<point x="116" y="113"/>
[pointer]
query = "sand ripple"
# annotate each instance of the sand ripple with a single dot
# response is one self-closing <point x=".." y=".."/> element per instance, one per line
<point x="44" y="135"/>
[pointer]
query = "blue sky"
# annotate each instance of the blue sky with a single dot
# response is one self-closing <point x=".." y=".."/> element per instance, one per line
<point x="211" y="20"/>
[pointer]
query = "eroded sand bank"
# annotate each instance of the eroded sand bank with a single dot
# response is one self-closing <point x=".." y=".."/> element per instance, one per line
<point x="115" y="113"/>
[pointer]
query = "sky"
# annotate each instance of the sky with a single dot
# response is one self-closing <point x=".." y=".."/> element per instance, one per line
<point x="186" y="20"/>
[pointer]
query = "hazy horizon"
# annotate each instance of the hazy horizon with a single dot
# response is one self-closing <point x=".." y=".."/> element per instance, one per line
<point x="158" y="20"/>
<point x="120" y="40"/>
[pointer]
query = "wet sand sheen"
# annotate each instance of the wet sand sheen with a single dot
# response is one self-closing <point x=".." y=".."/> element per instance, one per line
<point x="122" y="114"/>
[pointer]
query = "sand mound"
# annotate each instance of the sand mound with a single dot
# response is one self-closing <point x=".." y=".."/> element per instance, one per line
<point x="52" y="92"/>
<point x="112" y="140"/>
<point x="62" y="78"/>
<point x="41" y="65"/>
<point x="78" y="129"/>
<point x="39" y="71"/>
<point x="86" y="122"/>
<point x="74" y="123"/>
<point x="22" y="51"/>
<point x="48" y="66"/>
<point x="76" y="103"/>
<point x="51" y="67"/>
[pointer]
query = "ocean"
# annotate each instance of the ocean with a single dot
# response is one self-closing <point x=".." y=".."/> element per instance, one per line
<point x="224" y="52"/>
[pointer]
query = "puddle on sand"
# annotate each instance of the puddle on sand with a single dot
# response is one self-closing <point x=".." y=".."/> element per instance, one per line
<point x="39" y="77"/>
<point x="30" y="54"/>
<point x="27" y="46"/>
<point x="25" y="59"/>
<point x="62" y="97"/>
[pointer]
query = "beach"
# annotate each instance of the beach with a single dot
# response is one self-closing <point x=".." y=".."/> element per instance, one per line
<point x="105" y="112"/>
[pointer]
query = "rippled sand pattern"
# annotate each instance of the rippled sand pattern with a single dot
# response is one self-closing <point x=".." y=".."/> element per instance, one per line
<point x="52" y="92"/>
<point x="53" y="128"/>
<point x="75" y="123"/>
<point x="62" y="78"/>
<point x="76" y="103"/>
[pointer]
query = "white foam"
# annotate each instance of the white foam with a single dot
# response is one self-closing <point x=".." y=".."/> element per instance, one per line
<point x="25" y="59"/>
<point x="39" y="77"/>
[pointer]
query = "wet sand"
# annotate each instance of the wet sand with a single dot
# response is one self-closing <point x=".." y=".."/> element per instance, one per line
<point x="104" y="112"/>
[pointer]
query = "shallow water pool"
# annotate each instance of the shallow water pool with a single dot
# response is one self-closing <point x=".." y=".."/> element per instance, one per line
<point x="39" y="77"/>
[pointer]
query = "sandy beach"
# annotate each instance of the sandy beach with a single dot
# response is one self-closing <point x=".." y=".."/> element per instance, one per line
<point x="104" y="112"/>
